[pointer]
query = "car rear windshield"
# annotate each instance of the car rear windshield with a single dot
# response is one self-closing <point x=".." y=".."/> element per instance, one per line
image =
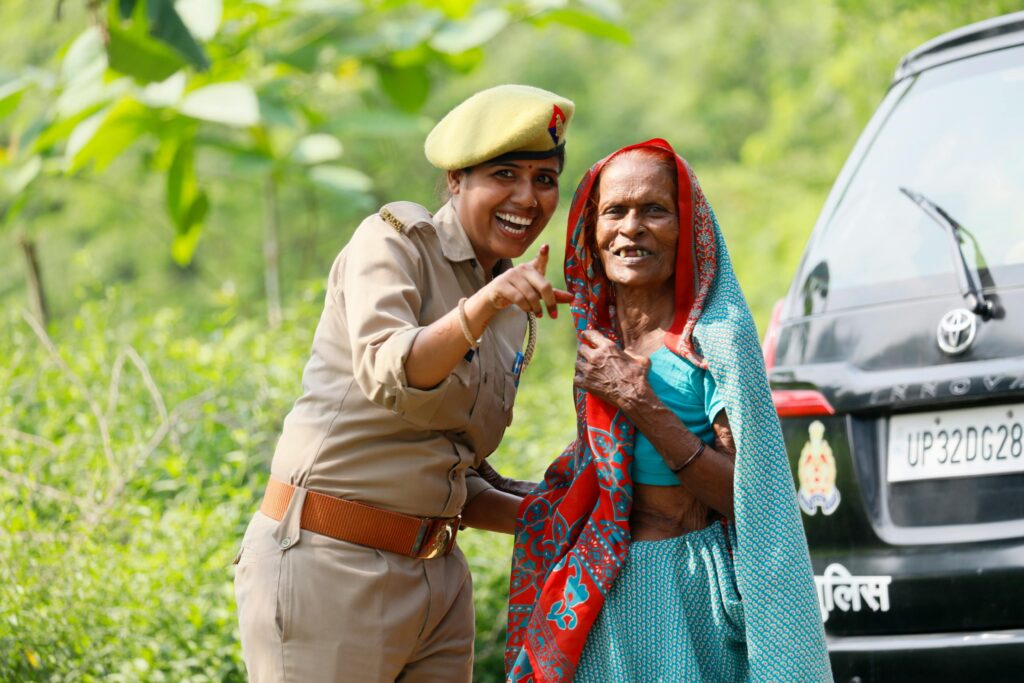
<point x="956" y="136"/>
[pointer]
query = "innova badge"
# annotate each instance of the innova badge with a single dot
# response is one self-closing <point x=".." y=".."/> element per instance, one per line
<point x="956" y="331"/>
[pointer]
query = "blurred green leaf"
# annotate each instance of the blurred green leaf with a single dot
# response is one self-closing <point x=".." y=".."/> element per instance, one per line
<point x="20" y="178"/>
<point x="458" y="36"/>
<point x="586" y="22"/>
<point x="84" y="57"/>
<point x="316" y="149"/>
<point x="186" y="238"/>
<point x="10" y="95"/>
<point x="181" y="183"/>
<point x="132" y="51"/>
<point x="407" y="87"/>
<point x="166" y="93"/>
<point x="52" y="132"/>
<point x="233" y="104"/>
<point x="166" y="25"/>
<point x="149" y="41"/>
<point x="201" y="17"/>
<point x="341" y="179"/>
<point x="102" y="137"/>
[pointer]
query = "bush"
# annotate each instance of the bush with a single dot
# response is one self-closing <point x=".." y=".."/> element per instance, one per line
<point x="134" y="447"/>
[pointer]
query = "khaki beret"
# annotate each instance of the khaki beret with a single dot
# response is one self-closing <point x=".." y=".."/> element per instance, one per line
<point x="518" y="119"/>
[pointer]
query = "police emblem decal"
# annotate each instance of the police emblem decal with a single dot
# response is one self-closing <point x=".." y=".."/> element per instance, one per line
<point x="956" y="331"/>
<point x="817" y="473"/>
<point x="556" y="127"/>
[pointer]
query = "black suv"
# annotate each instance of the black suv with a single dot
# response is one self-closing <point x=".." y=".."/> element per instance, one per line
<point x="897" y="366"/>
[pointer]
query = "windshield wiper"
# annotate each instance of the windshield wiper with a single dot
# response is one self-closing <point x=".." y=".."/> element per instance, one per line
<point x="970" y="286"/>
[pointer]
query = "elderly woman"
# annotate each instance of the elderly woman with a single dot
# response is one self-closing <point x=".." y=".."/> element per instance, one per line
<point x="665" y="543"/>
<point x="349" y="571"/>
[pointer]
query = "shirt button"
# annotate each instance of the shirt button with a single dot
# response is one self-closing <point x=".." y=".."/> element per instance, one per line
<point x="286" y="543"/>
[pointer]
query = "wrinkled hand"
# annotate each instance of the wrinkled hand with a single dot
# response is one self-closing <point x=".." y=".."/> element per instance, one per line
<point x="527" y="287"/>
<point x="609" y="372"/>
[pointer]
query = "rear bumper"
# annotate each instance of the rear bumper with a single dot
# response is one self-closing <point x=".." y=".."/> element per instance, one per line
<point x="989" y="656"/>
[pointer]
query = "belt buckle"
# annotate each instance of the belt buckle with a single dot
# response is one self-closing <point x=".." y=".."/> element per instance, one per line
<point x="441" y="538"/>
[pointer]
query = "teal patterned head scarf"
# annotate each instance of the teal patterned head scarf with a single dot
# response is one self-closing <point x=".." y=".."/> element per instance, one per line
<point x="573" y="530"/>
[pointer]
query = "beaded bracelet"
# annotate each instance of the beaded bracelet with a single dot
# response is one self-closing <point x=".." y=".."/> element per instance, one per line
<point x="696" y="454"/>
<point x="464" y="323"/>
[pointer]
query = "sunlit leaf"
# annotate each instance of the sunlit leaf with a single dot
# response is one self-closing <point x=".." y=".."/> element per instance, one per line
<point x="81" y="74"/>
<point x="586" y="22"/>
<point x="201" y="17"/>
<point x="166" y="93"/>
<point x="84" y="57"/>
<point x="316" y="149"/>
<point x="52" y="132"/>
<point x="407" y="87"/>
<point x="102" y="137"/>
<point x="10" y="95"/>
<point x="341" y="179"/>
<point x="458" y="36"/>
<point x="21" y="178"/>
<point x="83" y="133"/>
<point x="233" y="104"/>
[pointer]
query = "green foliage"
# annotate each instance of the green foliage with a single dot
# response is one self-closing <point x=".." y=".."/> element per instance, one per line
<point x="133" y="445"/>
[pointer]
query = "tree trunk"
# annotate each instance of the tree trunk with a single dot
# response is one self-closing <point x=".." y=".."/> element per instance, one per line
<point x="36" y="294"/>
<point x="271" y="255"/>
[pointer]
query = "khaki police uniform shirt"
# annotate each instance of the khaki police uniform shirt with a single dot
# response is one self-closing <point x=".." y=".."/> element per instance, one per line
<point x="359" y="431"/>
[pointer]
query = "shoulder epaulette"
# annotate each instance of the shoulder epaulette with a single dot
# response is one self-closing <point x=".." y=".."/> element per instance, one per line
<point x="403" y="216"/>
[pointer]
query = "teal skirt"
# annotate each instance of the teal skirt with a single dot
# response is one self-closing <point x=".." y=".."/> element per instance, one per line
<point x="673" y="614"/>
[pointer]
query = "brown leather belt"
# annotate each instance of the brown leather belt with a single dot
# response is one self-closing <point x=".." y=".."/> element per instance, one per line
<point x="346" y="520"/>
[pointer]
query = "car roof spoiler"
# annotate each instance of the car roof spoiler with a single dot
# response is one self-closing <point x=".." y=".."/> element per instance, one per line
<point x="984" y="36"/>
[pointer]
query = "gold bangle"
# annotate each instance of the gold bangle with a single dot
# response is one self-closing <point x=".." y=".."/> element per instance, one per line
<point x="464" y="322"/>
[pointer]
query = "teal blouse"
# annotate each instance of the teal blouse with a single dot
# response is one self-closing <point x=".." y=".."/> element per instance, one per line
<point x="690" y="393"/>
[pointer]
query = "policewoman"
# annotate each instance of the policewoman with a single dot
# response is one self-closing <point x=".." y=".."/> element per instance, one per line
<point x="350" y="569"/>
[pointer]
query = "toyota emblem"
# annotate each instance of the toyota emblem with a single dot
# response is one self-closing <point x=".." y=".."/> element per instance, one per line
<point x="956" y="331"/>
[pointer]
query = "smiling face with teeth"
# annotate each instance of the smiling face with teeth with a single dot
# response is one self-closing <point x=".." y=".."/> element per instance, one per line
<point x="504" y="205"/>
<point x="637" y="221"/>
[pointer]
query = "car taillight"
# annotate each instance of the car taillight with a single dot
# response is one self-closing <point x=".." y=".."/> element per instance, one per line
<point x="801" y="403"/>
<point x="771" y="336"/>
<point x="790" y="402"/>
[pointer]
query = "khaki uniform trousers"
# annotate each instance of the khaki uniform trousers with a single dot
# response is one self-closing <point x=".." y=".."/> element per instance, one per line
<point x="322" y="610"/>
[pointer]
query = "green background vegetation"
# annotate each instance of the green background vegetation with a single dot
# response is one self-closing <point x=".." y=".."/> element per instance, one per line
<point x="179" y="189"/>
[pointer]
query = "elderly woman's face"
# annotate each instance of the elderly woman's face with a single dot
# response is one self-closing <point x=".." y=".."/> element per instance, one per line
<point x="637" y="226"/>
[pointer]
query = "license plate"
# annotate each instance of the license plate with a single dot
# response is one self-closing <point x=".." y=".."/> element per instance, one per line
<point x="971" y="442"/>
